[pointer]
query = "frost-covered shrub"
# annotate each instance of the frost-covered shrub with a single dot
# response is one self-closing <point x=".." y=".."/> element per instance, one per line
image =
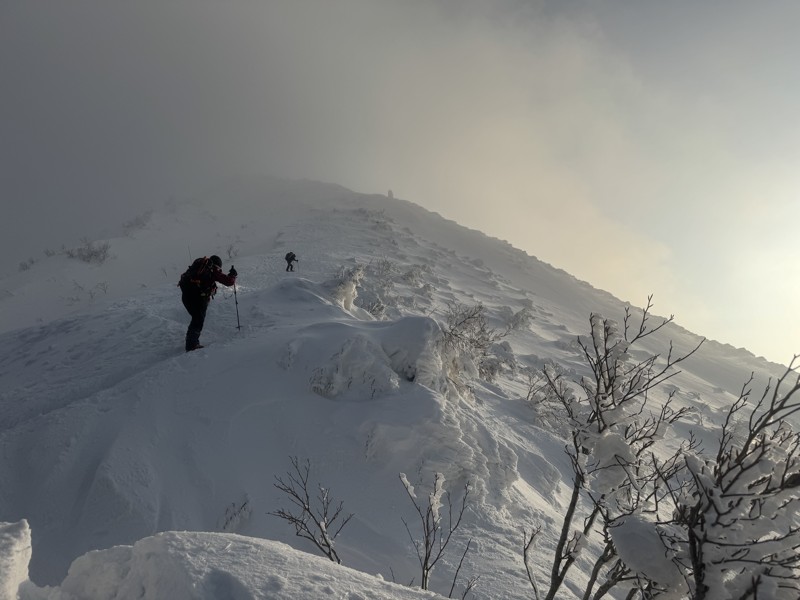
<point x="90" y="252"/>
<point x="613" y="431"/>
<point x="548" y="410"/>
<point x="413" y="346"/>
<point x="735" y="532"/>
<point x="376" y="288"/>
<point x="378" y="292"/>
<point x="345" y="285"/>
<point x="471" y="343"/>
<point x="368" y="365"/>
<point x="414" y="274"/>
<point x="467" y="329"/>
<point x="360" y="367"/>
<point x="501" y="358"/>
<point x="375" y="307"/>
<point x="384" y="270"/>
<point x="520" y="319"/>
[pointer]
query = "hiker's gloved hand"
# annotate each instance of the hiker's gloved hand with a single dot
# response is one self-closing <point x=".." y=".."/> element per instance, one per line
<point x="232" y="272"/>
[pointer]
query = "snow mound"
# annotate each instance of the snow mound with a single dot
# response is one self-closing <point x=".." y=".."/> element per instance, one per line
<point x="210" y="566"/>
<point x="365" y="361"/>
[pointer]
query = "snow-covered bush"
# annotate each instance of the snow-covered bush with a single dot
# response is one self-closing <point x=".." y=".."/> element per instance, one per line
<point x="736" y="530"/>
<point x="472" y="345"/>
<point x="547" y="407"/>
<point x="467" y="329"/>
<point x="384" y="271"/>
<point x="686" y="525"/>
<point x="374" y="306"/>
<point x="360" y="368"/>
<point x="412" y="345"/>
<point x="414" y="274"/>
<point x="520" y="319"/>
<point x="500" y="358"/>
<point x="345" y="285"/>
<point x="375" y="288"/>
<point x="614" y="429"/>
<point x="90" y="252"/>
<point x="379" y="295"/>
<point x="370" y="363"/>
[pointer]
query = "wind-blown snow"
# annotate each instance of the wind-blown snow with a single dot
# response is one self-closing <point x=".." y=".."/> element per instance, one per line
<point x="110" y="434"/>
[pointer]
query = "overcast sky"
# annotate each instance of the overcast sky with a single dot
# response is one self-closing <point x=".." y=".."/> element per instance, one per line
<point x="646" y="147"/>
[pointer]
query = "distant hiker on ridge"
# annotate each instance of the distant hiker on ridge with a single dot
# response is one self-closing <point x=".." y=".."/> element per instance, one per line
<point x="290" y="258"/>
<point x="198" y="285"/>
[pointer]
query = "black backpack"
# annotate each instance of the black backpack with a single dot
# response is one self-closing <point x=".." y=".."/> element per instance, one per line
<point x="199" y="276"/>
<point x="290" y="256"/>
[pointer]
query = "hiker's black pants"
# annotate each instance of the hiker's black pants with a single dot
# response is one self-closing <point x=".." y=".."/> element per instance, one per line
<point x="196" y="305"/>
<point x="289" y="266"/>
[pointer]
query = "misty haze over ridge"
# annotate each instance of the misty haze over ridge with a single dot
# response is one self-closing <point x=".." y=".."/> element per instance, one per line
<point x="555" y="125"/>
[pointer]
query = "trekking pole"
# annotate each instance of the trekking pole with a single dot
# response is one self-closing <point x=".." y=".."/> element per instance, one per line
<point x="238" y="325"/>
<point x="236" y="299"/>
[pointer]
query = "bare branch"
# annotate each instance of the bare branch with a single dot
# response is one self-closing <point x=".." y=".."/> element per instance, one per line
<point x="314" y="521"/>
<point x="435" y="538"/>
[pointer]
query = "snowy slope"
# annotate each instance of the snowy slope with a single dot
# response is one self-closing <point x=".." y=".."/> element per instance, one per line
<point x="109" y="433"/>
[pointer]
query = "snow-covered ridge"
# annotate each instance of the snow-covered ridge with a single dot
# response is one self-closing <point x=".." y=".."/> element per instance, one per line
<point x="110" y="434"/>
<point x="189" y="566"/>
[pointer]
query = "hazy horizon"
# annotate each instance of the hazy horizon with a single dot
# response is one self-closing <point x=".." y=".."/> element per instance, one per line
<point x="644" y="149"/>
